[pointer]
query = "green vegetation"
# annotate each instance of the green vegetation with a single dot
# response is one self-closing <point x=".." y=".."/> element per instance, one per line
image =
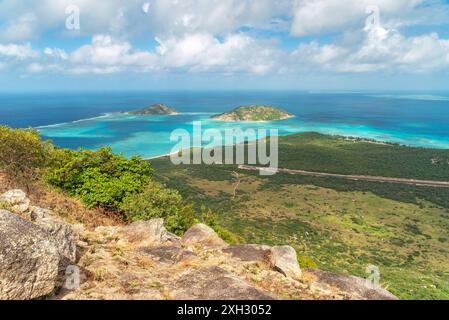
<point x="338" y="225"/>
<point x="156" y="201"/>
<point x="156" y="109"/>
<point x="22" y="153"/>
<point x="101" y="179"/>
<point x="254" y="113"/>
<point x="334" y="224"/>
<point x="212" y="220"/>
<point x="316" y="152"/>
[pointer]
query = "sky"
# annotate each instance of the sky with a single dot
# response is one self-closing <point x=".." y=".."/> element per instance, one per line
<point x="224" y="45"/>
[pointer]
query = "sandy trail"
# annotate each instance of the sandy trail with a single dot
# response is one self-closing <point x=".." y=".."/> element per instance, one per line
<point x="423" y="183"/>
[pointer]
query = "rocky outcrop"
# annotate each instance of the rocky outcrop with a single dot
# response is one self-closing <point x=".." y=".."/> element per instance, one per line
<point x="64" y="238"/>
<point x="38" y="214"/>
<point x="17" y="199"/>
<point x="167" y="254"/>
<point x="34" y="252"/>
<point x="29" y="259"/>
<point x="214" y="283"/>
<point x="353" y="285"/>
<point x="284" y="260"/>
<point x="145" y="261"/>
<point x="249" y="252"/>
<point x="62" y="234"/>
<point x="202" y="236"/>
<point x="148" y="232"/>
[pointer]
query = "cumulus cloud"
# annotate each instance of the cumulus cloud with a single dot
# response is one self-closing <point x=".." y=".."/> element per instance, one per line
<point x="381" y="50"/>
<point x="313" y="17"/>
<point x="223" y="36"/>
<point x="197" y="52"/>
<point x="17" y="51"/>
<point x="131" y="17"/>
<point x="203" y="52"/>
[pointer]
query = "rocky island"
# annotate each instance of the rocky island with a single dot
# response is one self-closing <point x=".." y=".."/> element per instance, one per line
<point x="154" y="110"/>
<point x="254" y="113"/>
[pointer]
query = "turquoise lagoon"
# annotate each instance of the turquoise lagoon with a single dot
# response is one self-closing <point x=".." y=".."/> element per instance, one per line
<point x="93" y="120"/>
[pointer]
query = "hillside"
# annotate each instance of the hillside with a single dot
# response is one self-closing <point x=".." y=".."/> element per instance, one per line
<point x="338" y="225"/>
<point x="144" y="261"/>
<point x="254" y="113"/>
<point x="95" y="225"/>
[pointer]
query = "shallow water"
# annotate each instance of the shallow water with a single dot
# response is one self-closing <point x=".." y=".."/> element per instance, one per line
<point x="90" y="120"/>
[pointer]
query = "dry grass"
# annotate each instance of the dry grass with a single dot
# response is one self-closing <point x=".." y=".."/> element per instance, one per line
<point x="70" y="209"/>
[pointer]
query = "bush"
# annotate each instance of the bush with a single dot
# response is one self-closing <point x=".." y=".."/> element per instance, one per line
<point x="23" y="154"/>
<point x="307" y="262"/>
<point x="211" y="219"/>
<point x="157" y="201"/>
<point x="100" y="178"/>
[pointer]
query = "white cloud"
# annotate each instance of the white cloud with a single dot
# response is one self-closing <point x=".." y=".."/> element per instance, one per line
<point x="313" y="17"/>
<point x="108" y="55"/>
<point x="17" y="51"/>
<point x="28" y="20"/>
<point x="202" y="52"/>
<point x="202" y="36"/>
<point x="198" y="52"/>
<point x="56" y="53"/>
<point x="128" y="17"/>
<point x="381" y="50"/>
<point x="21" y="28"/>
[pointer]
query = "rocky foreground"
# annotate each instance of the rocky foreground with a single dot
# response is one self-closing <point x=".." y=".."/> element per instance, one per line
<point x="43" y="257"/>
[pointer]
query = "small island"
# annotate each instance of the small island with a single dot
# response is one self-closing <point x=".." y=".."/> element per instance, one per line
<point x="154" y="110"/>
<point x="254" y="113"/>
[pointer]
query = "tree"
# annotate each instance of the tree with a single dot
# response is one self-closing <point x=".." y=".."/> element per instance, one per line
<point x="99" y="178"/>
<point x="157" y="201"/>
<point x="23" y="154"/>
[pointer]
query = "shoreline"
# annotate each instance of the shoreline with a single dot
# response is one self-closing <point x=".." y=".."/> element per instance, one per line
<point x="296" y="128"/>
<point x="353" y="139"/>
<point x="346" y="138"/>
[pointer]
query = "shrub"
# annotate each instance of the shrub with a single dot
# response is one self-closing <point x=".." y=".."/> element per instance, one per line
<point x="22" y="153"/>
<point x="100" y="178"/>
<point x="307" y="262"/>
<point x="211" y="219"/>
<point x="157" y="201"/>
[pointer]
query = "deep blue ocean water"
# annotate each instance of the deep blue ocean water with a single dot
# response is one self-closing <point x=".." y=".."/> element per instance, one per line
<point x="91" y="120"/>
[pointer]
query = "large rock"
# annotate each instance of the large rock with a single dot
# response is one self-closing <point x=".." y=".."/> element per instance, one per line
<point x="62" y="234"/>
<point x="64" y="238"/>
<point x="148" y="232"/>
<point x="249" y="252"/>
<point x="38" y="213"/>
<point x="17" y="199"/>
<point x="29" y="259"/>
<point x="202" y="236"/>
<point x="167" y="254"/>
<point x="214" y="283"/>
<point x="284" y="260"/>
<point x="353" y="285"/>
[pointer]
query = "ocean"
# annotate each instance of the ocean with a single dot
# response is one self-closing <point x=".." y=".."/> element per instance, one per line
<point x="92" y="119"/>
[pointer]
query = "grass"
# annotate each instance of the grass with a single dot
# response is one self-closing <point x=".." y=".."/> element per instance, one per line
<point x="338" y="225"/>
<point x="71" y="209"/>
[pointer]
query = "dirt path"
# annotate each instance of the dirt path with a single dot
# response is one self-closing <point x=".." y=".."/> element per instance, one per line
<point x="423" y="183"/>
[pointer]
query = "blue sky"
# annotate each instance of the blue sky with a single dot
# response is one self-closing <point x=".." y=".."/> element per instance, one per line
<point x="224" y="44"/>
